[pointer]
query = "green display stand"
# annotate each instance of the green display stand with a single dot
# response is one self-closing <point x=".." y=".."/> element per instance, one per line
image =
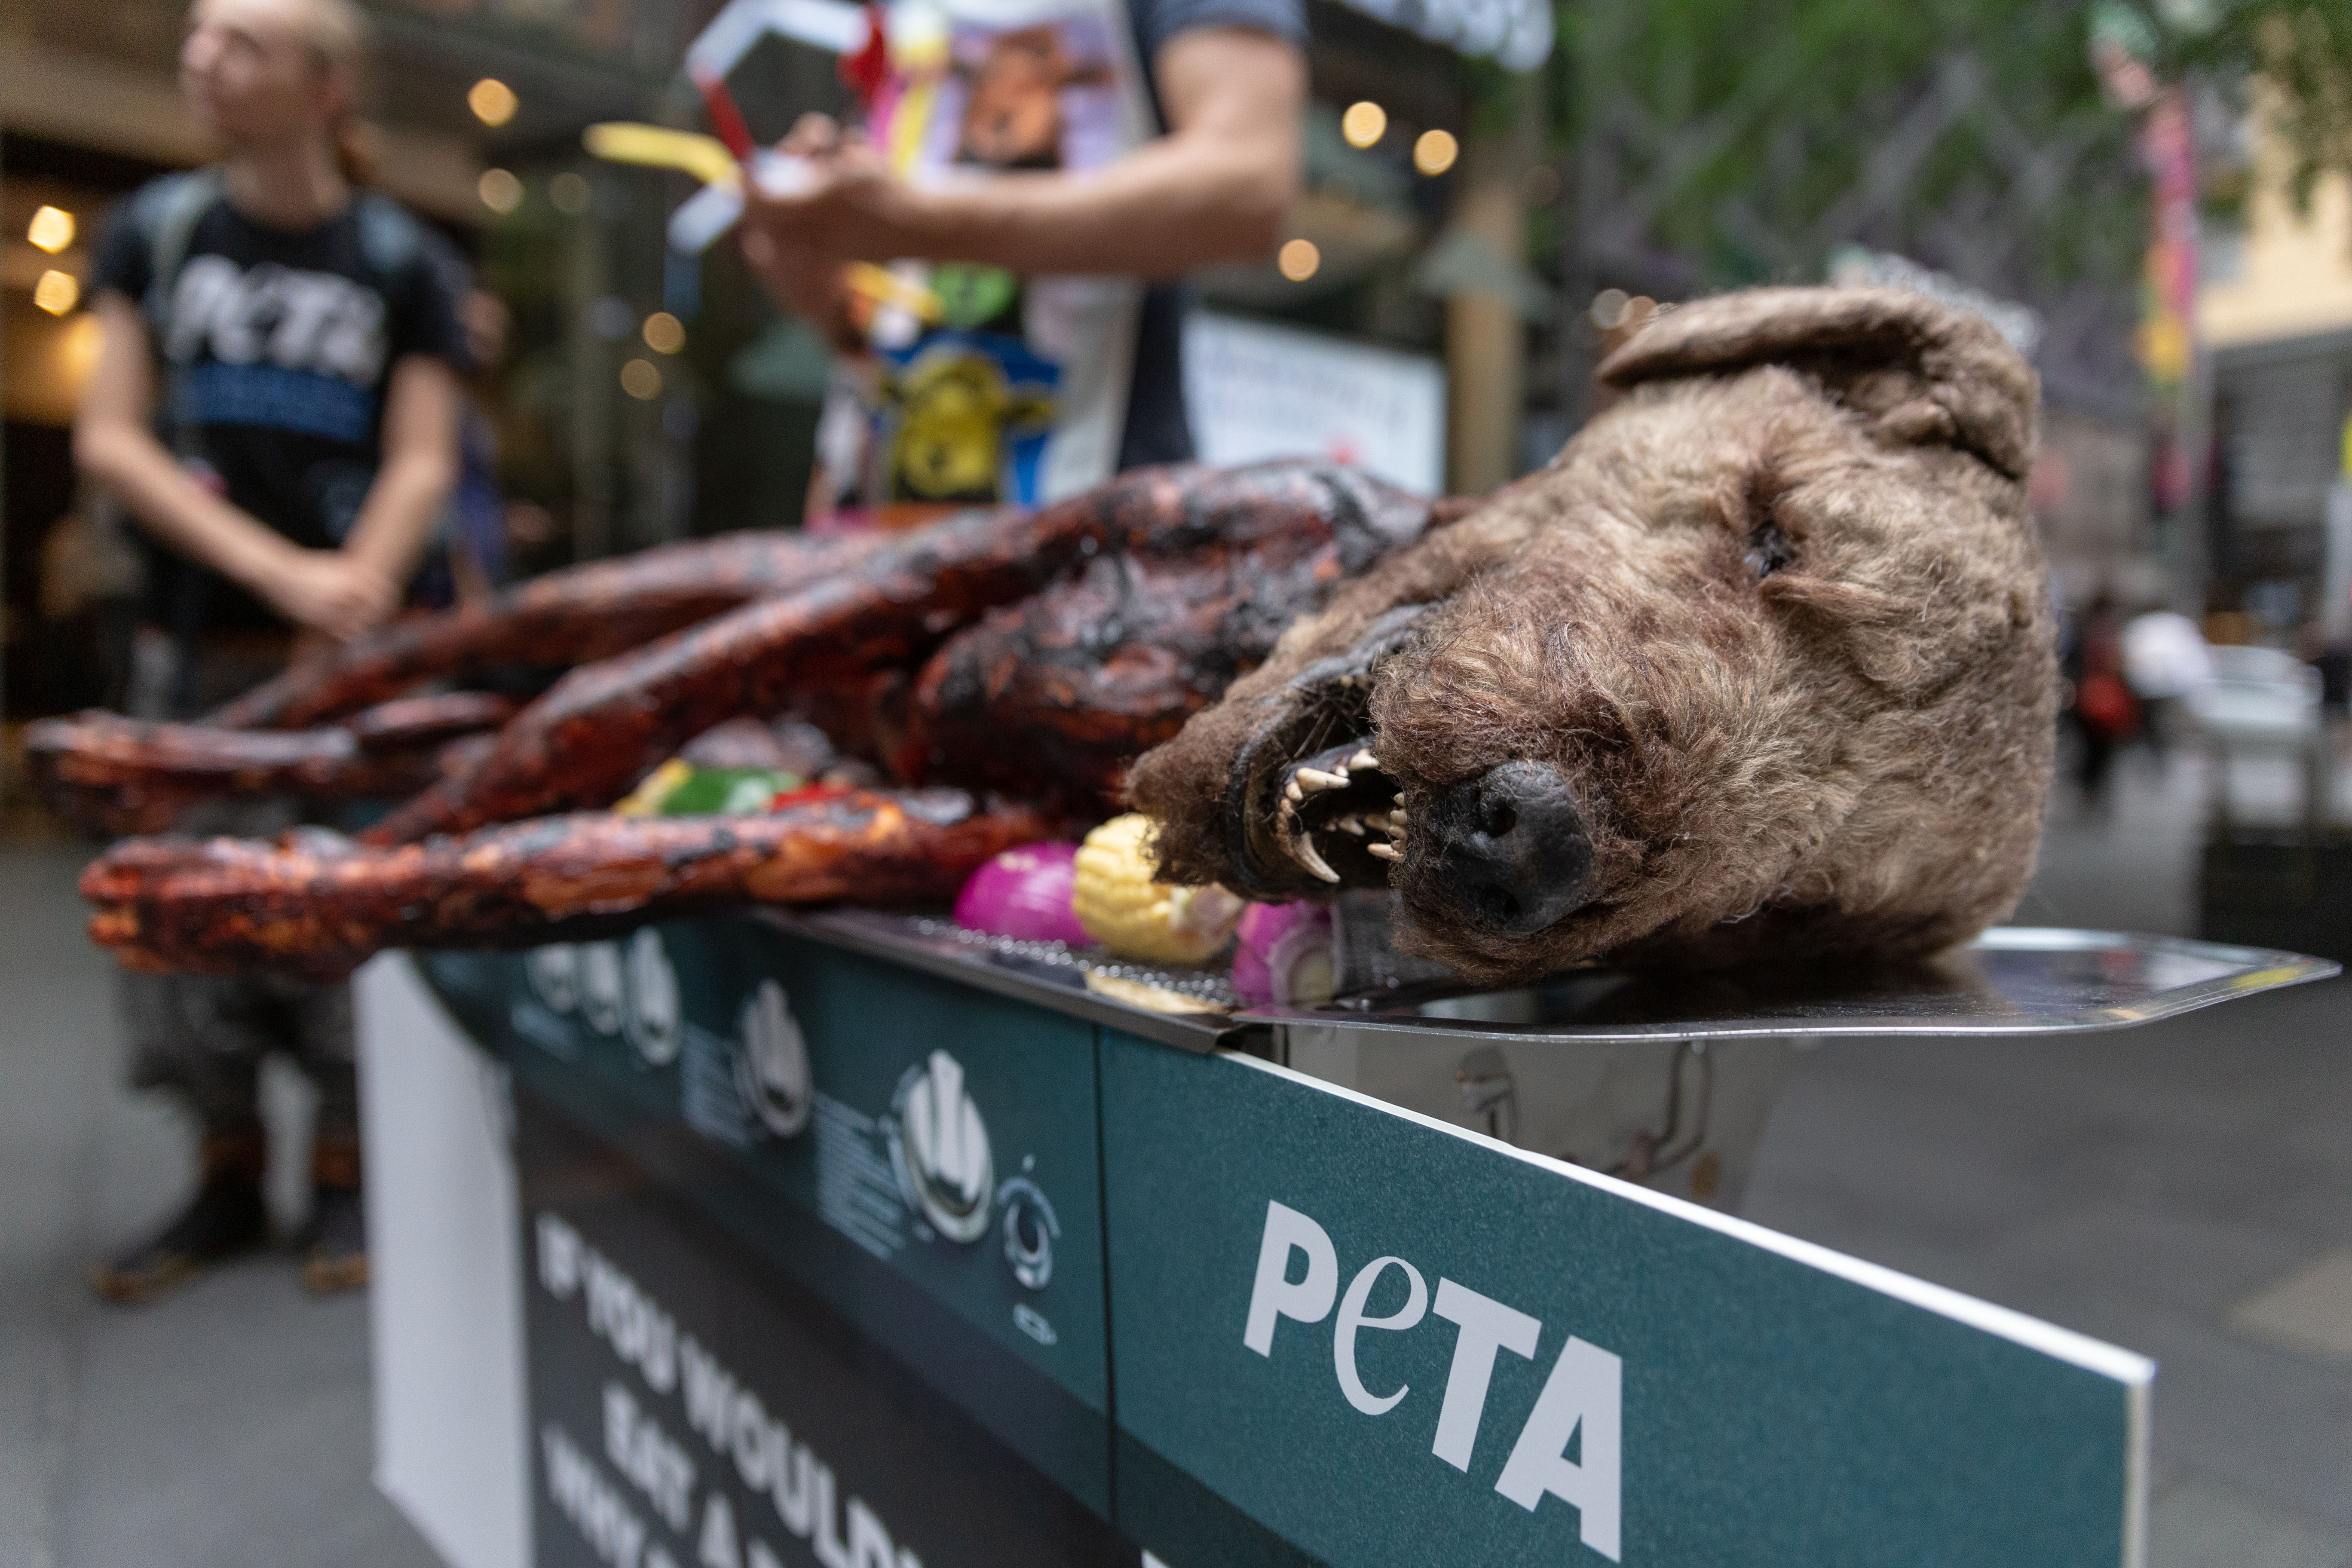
<point x="853" y="1241"/>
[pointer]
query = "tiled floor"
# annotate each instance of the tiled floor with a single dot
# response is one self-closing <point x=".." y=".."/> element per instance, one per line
<point x="2184" y="1189"/>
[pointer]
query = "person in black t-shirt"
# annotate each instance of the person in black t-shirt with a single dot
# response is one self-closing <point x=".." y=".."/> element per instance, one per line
<point x="276" y="401"/>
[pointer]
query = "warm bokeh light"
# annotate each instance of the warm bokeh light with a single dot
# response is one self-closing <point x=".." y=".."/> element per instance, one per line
<point x="79" y="351"/>
<point x="492" y="102"/>
<point x="640" y="380"/>
<point x="665" y="334"/>
<point x="52" y="229"/>
<point x="570" y="193"/>
<point x="1435" y="152"/>
<point x="1298" y="259"/>
<point x="500" y="191"/>
<point x="1364" y="123"/>
<point x="56" y="292"/>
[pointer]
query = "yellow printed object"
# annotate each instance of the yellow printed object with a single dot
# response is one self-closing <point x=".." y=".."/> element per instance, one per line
<point x="645" y="800"/>
<point x="660" y="147"/>
<point x="1122" y="908"/>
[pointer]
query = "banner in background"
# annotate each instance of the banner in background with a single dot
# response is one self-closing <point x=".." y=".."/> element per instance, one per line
<point x="1255" y="392"/>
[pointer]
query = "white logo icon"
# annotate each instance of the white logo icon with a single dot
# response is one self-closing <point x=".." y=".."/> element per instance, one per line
<point x="1030" y="1229"/>
<point x="554" y="972"/>
<point x="652" y="1019"/>
<point x="773" y="1070"/>
<point x="941" y="1149"/>
<point x="599" y="987"/>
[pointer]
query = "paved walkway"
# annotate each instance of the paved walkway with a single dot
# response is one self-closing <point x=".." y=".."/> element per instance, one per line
<point x="223" y="1428"/>
<point x="2185" y="1190"/>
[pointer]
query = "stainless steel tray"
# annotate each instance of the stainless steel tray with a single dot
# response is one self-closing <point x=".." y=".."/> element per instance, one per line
<point x="2012" y="979"/>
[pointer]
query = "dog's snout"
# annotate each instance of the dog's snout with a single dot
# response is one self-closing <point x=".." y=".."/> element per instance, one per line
<point x="1507" y="850"/>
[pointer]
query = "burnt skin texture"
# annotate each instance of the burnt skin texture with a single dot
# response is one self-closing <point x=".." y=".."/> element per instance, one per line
<point x="601" y="726"/>
<point x="1155" y="590"/>
<point x="1057" y="695"/>
<point x="317" y="903"/>
<point x="1762" y="663"/>
<point x="127" y="776"/>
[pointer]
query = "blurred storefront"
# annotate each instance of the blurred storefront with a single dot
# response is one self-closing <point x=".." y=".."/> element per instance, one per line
<point x="2276" y="316"/>
<point x="644" y="394"/>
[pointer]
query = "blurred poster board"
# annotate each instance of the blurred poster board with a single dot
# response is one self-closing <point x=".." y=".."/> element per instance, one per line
<point x="1255" y="391"/>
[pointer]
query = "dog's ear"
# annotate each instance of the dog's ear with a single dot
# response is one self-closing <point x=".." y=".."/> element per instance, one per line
<point x="1923" y="371"/>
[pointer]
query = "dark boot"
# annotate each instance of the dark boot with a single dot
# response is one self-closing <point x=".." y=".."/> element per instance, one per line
<point x="334" y="1242"/>
<point x="224" y="1218"/>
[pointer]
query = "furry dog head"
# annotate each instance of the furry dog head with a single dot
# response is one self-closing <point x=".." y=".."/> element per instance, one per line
<point x="1762" y="664"/>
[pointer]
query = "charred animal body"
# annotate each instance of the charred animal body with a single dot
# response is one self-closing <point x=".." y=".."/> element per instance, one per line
<point x="1762" y="664"/>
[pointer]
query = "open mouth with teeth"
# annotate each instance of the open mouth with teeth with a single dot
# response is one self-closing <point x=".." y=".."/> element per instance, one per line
<point x="1310" y="806"/>
<point x="1342" y="795"/>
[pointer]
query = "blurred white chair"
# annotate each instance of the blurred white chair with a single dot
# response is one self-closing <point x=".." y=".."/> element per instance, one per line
<point x="2260" y="700"/>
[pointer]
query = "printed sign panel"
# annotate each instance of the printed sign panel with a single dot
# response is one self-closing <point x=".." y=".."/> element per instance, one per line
<point x="1254" y="392"/>
<point x="1352" y="1334"/>
<point x="689" y="1405"/>
<point x="920" y="1156"/>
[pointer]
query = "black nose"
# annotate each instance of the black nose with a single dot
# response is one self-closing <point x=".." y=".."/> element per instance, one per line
<point x="1506" y="851"/>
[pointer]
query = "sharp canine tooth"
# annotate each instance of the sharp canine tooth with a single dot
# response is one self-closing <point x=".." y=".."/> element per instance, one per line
<point x="1386" y="851"/>
<point x="1364" y="759"/>
<point x="1304" y="851"/>
<point x="1352" y="824"/>
<point x="1318" y="780"/>
<point x="1292" y="793"/>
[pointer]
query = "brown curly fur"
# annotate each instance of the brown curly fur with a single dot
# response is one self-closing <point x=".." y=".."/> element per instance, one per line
<point x="1836" y="739"/>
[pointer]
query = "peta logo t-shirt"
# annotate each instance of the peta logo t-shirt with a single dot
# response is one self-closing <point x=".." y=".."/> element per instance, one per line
<point x="276" y="348"/>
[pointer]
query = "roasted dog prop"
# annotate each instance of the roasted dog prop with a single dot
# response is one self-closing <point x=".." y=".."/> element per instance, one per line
<point x="1034" y="653"/>
<point x="1762" y="664"/>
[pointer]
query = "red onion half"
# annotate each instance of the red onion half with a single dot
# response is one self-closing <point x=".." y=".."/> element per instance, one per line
<point x="1282" y="956"/>
<point x="1023" y="893"/>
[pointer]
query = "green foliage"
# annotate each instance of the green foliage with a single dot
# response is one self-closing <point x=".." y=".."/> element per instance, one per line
<point x="2304" y="54"/>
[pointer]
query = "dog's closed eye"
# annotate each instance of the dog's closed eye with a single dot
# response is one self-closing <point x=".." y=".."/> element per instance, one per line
<point x="1769" y="550"/>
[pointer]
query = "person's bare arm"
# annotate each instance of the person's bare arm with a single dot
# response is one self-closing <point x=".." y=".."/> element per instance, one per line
<point x="1216" y="188"/>
<point x="419" y="466"/>
<point x="322" y="590"/>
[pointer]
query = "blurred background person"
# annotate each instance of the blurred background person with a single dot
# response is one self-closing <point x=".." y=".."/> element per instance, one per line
<point x="468" y="562"/>
<point x="2165" y="658"/>
<point x="276" y="401"/>
<point x="2104" y="712"/>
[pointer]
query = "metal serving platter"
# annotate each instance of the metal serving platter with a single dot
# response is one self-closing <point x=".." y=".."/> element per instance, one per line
<point x="2012" y="979"/>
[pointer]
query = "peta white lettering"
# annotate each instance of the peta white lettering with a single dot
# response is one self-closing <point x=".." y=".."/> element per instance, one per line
<point x="317" y="322"/>
<point x="1582" y="1399"/>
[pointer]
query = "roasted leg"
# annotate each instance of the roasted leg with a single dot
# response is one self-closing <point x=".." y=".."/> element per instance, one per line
<point x="318" y="903"/>
<point x="564" y="618"/>
<point x="125" y="776"/>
